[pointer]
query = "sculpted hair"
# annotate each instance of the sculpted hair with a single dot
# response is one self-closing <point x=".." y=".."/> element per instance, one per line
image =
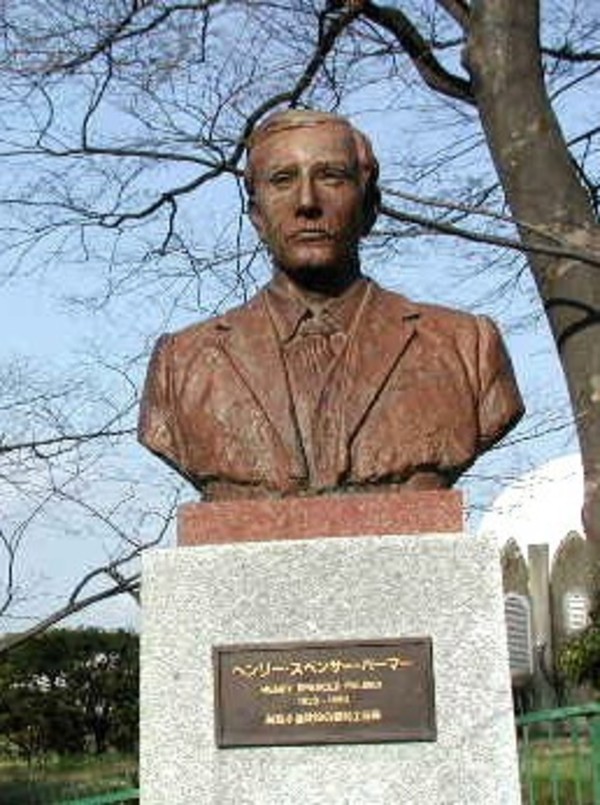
<point x="299" y="118"/>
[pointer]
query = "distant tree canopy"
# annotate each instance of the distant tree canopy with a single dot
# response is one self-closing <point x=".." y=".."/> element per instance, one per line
<point x="71" y="691"/>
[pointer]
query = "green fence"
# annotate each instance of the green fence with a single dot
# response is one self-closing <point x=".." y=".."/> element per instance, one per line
<point x="66" y="795"/>
<point x="559" y="756"/>
<point x="128" y="797"/>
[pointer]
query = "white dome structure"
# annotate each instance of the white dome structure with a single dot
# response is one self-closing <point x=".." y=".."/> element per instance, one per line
<point x="542" y="506"/>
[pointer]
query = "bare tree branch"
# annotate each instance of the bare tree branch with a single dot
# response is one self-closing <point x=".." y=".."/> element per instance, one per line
<point x="78" y="601"/>
<point x="416" y="46"/>
<point x="122" y="31"/>
<point x="37" y="445"/>
<point x="458" y="10"/>
<point x="566" y="53"/>
<point x="445" y="228"/>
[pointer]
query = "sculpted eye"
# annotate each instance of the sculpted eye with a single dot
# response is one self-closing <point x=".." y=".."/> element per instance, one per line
<point x="334" y="175"/>
<point x="281" y="178"/>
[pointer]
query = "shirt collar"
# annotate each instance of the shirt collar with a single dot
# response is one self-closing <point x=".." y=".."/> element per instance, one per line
<point x="289" y="307"/>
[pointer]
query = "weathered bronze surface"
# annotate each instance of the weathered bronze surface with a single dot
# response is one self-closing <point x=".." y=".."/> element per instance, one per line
<point x="364" y="691"/>
<point x="324" y="381"/>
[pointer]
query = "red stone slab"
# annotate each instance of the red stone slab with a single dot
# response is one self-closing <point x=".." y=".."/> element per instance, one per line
<point x="431" y="512"/>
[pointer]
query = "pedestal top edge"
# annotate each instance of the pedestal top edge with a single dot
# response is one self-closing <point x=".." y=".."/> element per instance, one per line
<point x="335" y="515"/>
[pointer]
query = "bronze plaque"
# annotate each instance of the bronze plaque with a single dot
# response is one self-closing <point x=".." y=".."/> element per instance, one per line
<point x="365" y="691"/>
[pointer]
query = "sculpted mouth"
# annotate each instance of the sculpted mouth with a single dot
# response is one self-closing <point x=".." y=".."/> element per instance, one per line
<point x="309" y="235"/>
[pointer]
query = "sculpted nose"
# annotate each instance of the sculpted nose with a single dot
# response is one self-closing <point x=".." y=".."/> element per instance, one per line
<point x="307" y="201"/>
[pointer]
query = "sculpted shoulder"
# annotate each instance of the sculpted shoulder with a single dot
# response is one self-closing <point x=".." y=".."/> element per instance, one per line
<point x="208" y="332"/>
<point x="430" y="317"/>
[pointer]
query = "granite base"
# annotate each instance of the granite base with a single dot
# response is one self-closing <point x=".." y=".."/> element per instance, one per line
<point x="444" y="586"/>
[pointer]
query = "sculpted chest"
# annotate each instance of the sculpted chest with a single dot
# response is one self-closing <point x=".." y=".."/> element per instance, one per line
<point x="405" y="416"/>
<point x="419" y="389"/>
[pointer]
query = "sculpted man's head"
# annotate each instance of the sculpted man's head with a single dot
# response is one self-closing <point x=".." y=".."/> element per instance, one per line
<point x="311" y="179"/>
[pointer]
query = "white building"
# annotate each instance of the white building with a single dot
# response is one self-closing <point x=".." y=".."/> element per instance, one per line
<point x="549" y="571"/>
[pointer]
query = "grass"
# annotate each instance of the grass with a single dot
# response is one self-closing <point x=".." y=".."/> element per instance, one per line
<point x="552" y="773"/>
<point x="59" y="779"/>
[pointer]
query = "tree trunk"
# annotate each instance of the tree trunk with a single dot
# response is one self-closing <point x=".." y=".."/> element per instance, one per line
<point x="548" y="200"/>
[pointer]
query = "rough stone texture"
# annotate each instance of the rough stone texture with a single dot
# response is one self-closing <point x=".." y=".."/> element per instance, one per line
<point x="324" y="589"/>
<point x="328" y="516"/>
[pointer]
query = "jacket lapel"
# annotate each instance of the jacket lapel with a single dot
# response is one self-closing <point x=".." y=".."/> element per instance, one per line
<point x="248" y="338"/>
<point x="384" y="331"/>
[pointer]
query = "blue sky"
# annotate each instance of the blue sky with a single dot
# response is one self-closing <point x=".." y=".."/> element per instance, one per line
<point x="52" y="317"/>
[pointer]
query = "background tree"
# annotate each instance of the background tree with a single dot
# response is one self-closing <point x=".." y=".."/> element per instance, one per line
<point x="122" y="147"/>
<point x="70" y="691"/>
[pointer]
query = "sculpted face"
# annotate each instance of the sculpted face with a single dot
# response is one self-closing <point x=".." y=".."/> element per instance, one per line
<point x="308" y="201"/>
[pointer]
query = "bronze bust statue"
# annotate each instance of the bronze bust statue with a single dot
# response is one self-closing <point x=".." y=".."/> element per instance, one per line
<point x="324" y="381"/>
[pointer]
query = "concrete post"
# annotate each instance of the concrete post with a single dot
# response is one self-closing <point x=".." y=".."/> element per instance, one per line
<point x="539" y="586"/>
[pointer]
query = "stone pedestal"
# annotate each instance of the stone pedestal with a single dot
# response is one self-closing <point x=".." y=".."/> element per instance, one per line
<point x="443" y="585"/>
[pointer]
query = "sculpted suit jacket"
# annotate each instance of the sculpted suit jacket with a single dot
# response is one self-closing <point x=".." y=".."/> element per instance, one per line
<point x="421" y="391"/>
